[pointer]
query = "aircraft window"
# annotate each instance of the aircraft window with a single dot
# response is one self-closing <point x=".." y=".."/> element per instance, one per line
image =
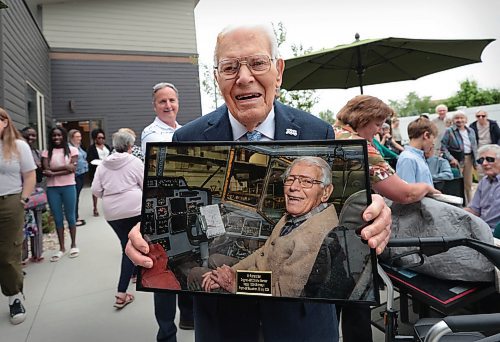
<point x="247" y="178"/>
<point x="198" y="167"/>
<point x="273" y="205"/>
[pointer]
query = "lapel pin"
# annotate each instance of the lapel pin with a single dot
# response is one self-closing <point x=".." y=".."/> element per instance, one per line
<point x="290" y="131"/>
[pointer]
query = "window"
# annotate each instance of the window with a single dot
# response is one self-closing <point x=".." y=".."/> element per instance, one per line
<point x="36" y="114"/>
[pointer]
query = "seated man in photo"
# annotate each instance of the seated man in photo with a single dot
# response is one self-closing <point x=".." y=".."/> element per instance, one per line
<point x="411" y="165"/>
<point x="486" y="200"/>
<point x="291" y="250"/>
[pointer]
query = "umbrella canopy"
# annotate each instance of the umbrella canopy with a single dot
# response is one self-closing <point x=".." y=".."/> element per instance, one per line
<point x="375" y="61"/>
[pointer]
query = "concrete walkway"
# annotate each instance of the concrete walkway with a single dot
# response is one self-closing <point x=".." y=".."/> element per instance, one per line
<point x="72" y="299"/>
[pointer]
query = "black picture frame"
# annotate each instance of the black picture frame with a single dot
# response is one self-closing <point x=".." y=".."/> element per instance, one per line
<point x="208" y="204"/>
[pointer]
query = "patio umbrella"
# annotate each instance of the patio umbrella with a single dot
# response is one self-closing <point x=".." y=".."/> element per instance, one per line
<point x="375" y="61"/>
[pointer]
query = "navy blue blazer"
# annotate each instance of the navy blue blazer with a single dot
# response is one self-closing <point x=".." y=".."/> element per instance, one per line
<point x="221" y="319"/>
<point x="216" y="126"/>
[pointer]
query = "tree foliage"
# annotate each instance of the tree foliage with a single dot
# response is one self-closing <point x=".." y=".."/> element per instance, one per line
<point x="302" y="99"/>
<point x="209" y="85"/>
<point x="412" y="104"/>
<point x="470" y="95"/>
<point x="328" y="116"/>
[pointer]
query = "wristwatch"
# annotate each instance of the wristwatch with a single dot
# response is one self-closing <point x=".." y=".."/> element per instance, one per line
<point x="25" y="199"/>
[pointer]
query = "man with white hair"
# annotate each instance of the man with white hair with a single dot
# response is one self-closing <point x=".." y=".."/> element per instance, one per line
<point x="486" y="201"/>
<point x="166" y="106"/>
<point x="440" y="122"/>
<point x="249" y="71"/>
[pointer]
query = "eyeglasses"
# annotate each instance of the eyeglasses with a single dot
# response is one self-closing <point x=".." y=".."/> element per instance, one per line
<point x="99" y="137"/>
<point x="305" y="182"/>
<point x="488" y="159"/>
<point x="258" y="65"/>
<point x="480" y="116"/>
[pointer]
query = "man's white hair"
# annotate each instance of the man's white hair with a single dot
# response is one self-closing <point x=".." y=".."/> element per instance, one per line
<point x="490" y="147"/>
<point x="439" y="106"/>
<point x="326" y="171"/>
<point x="266" y="29"/>
<point x="459" y="113"/>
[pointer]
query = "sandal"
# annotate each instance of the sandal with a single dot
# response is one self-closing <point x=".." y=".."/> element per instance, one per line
<point x="96" y="213"/>
<point x="80" y="223"/>
<point x="120" y="302"/>
<point x="57" y="256"/>
<point x="74" y="252"/>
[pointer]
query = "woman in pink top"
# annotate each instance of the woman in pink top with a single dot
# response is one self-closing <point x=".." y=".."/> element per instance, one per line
<point x="59" y="164"/>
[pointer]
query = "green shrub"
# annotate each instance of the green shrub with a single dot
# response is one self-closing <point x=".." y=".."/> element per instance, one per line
<point x="48" y="224"/>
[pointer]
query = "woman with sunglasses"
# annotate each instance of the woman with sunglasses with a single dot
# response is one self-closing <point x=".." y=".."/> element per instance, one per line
<point x="487" y="131"/>
<point x="95" y="155"/>
<point x="17" y="181"/>
<point x="59" y="164"/>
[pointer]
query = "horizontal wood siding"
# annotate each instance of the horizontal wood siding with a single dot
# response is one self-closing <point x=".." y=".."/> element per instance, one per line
<point x="25" y="57"/>
<point x="120" y="92"/>
<point x="164" y="26"/>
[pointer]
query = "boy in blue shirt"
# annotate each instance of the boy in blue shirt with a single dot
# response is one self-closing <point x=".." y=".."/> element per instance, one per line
<point x="411" y="165"/>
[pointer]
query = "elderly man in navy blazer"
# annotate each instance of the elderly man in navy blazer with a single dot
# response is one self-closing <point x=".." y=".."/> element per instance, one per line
<point x="248" y="71"/>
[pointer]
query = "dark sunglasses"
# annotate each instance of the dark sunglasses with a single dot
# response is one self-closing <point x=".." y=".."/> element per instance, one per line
<point x="480" y="116"/>
<point x="488" y="159"/>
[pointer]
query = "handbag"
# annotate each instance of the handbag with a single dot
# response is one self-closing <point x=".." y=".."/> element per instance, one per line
<point x="459" y="155"/>
<point x="37" y="199"/>
<point x="159" y="276"/>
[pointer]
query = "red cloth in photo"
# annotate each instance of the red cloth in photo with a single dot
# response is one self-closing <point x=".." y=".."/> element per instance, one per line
<point x="159" y="276"/>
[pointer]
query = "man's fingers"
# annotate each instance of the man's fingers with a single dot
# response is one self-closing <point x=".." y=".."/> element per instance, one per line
<point x="137" y="240"/>
<point x="137" y="247"/>
<point x="378" y="233"/>
<point x="137" y="257"/>
<point x="374" y="208"/>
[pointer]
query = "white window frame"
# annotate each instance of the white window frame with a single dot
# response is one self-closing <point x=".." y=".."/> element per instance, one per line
<point x="40" y="117"/>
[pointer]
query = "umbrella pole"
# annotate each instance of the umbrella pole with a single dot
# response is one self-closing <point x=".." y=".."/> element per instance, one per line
<point x="359" y="67"/>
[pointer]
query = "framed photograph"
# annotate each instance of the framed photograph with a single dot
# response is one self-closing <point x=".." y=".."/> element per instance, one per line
<point x="267" y="219"/>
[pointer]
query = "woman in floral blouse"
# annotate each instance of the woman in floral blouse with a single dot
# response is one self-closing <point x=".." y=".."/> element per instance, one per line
<point x="361" y="118"/>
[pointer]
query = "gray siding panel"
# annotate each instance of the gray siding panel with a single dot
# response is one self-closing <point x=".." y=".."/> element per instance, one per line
<point x="166" y="26"/>
<point x="25" y="57"/>
<point x="120" y="92"/>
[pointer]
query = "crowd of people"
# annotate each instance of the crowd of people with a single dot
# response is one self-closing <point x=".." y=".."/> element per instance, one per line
<point x="248" y="71"/>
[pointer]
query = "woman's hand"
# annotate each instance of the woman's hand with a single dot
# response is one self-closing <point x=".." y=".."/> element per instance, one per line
<point x="48" y="173"/>
<point x="71" y="167"/>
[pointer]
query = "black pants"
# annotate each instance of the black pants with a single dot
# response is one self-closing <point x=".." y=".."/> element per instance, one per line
<point x="80" y="179"/>
<point x="122" y="227"/>
<point x="165" y="314"/>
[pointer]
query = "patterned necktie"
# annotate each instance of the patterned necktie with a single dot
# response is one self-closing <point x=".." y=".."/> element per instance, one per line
<point x="254" y="136"/>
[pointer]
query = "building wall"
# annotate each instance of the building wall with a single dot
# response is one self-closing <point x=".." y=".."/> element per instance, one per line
<point x="24" y="58"/>
<point x="126" y="25"/>
<point x="107" y="54"/>
<point x="119" y="91"/>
